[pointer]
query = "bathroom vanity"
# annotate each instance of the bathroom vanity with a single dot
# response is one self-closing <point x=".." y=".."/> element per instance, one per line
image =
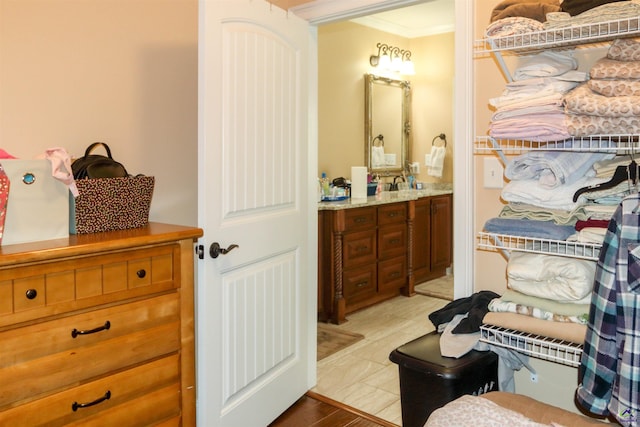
<point x="374" y="249"/>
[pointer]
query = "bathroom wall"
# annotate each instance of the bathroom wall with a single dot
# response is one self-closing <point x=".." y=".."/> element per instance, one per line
<point x="124" y="72"/>
<point x="344" y="49"/>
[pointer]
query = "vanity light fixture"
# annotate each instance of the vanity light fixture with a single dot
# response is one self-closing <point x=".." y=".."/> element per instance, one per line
<point x="391" y="58"/>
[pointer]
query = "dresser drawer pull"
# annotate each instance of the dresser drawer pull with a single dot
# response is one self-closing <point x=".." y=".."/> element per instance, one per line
<point x="394" y="274"/>
<point x="360" y="219"/>
<point x="394" y="241"/>
<point x="362" y="249"/>
<point x="75" y="406"/>
<point x="141" y="273"/>
<point x="361" y="284"/>
<point x="75" y="332"/>
<point x="31" y="293"/>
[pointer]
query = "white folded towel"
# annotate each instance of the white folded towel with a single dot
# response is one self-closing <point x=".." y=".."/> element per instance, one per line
<point x="377" y="157"/>
<point x="435" y="161"/>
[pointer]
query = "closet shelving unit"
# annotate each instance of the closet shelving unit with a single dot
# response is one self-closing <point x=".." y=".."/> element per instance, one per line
<point x="592" y="34"/>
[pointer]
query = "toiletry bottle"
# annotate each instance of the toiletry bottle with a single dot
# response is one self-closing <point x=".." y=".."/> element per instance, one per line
<point x="319" y="190"/>
<point x="324" y="182"/>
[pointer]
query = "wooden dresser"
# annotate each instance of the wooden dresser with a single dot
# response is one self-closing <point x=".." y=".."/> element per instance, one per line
<point x="98" y="329"/>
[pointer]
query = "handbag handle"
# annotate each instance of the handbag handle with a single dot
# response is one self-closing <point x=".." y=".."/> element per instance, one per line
<point x="94" y="145"/>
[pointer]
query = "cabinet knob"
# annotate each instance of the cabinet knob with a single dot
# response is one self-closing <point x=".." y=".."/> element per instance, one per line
<point x="31" y="293"/>
<point x="141" y="273"/>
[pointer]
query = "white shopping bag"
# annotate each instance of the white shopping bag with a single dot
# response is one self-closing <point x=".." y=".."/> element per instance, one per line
<point x="38" y="204"/>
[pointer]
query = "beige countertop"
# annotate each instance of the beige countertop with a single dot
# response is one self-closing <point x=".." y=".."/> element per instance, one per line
<point x="388" y="197"/>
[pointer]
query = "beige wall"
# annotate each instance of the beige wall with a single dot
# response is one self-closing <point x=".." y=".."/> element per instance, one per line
<point x="120" y="71"/>
<point x="343" y="56"/>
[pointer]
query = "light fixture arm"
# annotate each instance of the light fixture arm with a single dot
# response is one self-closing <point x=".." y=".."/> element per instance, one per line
<point x="391" y="53"/>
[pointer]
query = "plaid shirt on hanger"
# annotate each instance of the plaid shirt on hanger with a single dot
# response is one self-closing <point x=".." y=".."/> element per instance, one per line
<point x="610" y="365"/>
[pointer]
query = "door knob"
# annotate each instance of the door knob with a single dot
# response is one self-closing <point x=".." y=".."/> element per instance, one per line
<point x="215" y="250"/>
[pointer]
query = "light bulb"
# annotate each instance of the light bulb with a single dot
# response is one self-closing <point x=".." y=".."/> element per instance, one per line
<point x="408" y="68"/>
<point x="385" y="62"/>
<point x="396" y="64"/>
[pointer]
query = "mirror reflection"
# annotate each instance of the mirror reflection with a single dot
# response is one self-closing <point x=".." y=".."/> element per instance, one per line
<point x="387" y="124"/>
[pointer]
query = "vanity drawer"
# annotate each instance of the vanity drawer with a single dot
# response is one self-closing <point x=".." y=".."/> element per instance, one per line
<point x="36" y="290"/>
<point x="145" y="395"/>
<point x="392" y="274"/>
<point x="360" y="218"/>
<point x="359" y="248"/>
<point x="393" y="213"/>
<point x="359" y="283"/>
<point x="392" y="241"/>
<point x="40" y="359"/>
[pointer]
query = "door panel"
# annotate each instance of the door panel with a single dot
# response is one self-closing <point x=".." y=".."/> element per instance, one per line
<point x="253" y="303"/>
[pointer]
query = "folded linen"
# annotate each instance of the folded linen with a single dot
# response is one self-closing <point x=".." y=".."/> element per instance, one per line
<point x="583" y="100"/>
<point x="561" y="197"/>
<point x="540" y="127"/>
<point x="567" y="331"/>
<point x="558" y="216"/>
<point x="499" y="306"/>
<point x="605" y="12"/>
<point x="511" y="26"/>
<point x="553" y="277"/>
<point x="553" y="168"/>
<point x="582" y="125"/>
<point x="589" y="235"/>
<point x="545" y="64"/>
<point x="528" y="228"/>
<point x="576" y="308"/>
<point x="624" y="50"/>
<point x="615" y="87"/>
<point x="606" y="68"/>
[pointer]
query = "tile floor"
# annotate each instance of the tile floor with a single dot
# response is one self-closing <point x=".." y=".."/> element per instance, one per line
<point x="362" y="375"/>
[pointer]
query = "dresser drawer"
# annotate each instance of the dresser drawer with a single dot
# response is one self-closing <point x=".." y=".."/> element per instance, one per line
<point x="144" y="395"/>
<point x="42" y="358"/>
<point x="360" y="218"/>
<point x="392" y="274"/>
<point x="37" y="290"/>
<point x="393" y="213"/>
<point x="359" y="283"/>
<point x="392" y="241"/>
<point x="359" y="248"/>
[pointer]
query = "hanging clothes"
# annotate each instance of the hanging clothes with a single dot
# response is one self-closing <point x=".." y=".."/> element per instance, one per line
<point x="609" y="373"/>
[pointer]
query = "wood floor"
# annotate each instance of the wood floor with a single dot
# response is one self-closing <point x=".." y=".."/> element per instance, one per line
<point x="314" y="410"/>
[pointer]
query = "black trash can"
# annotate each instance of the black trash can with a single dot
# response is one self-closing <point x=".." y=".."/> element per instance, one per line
<point x="429" y="381"/>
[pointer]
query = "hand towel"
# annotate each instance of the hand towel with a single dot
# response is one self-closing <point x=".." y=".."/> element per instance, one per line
<point x="435" y="161"/>
<point x="378" y="159"/>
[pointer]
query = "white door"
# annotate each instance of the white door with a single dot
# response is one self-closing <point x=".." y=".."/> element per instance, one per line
<point x="256" y="303"/>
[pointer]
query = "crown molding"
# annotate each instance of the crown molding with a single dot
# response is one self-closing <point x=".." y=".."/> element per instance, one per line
<point x="325" y="11"/>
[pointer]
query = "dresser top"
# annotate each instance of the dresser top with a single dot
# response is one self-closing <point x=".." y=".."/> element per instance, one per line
<point x="82" y="244"/>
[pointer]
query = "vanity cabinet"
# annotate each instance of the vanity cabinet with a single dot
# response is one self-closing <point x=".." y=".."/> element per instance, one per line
<point x="362" y="256"/>
<point x="432" y="236"/>
<point x="98" y="329"/>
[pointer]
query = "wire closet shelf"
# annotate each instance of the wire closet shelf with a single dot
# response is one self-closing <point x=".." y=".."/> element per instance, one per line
<point x="540" y="347"/>
<point x="505" y="242"/>
<point x="561" y="37"/>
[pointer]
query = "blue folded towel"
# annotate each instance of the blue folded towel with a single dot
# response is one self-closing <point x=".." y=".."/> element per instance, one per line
<point x="529" y="228"/>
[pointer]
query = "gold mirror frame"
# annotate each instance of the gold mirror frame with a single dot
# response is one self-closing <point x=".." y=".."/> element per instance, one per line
<point x="396" y="132"/>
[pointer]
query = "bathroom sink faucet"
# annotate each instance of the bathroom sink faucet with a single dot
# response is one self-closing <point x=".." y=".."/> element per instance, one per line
<point x="394" y="186"/>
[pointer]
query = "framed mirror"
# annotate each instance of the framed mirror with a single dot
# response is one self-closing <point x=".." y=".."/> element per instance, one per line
<point x="387" y="124"/>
